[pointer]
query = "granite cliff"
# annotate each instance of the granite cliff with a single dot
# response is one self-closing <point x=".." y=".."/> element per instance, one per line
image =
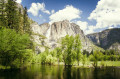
<point x="107" y="39"/>
<point x="56" y="31"/>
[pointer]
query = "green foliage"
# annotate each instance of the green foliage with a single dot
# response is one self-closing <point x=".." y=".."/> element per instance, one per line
<point x="71" y="47"/>
<point x="2" y="13"/>
<point x="86" y="53"/>
<point x="20" y="20"/>
<point x="26" y="24"/>
<point x="69" y="53"/>
<point x="47" y="58"/>
<point x="43" y="58"/>
<point x="78" y="48"/>
<point x="84" y="59"/>
<point x="59" y="54"/>
<point x="13" y="48"/>
<point x="12" y="15"/>
<point x="97" y="56"/>
<point x="50" y="59"/>
<point x="111" y="55"/>
<point x="111" y="52"/>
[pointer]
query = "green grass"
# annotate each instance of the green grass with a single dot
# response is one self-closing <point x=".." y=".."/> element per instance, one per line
<point x="109" y="63"/>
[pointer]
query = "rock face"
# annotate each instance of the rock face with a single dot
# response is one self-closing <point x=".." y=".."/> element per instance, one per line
<point x="39" y="32"/>
<point x="107" y="39"/>
<point x="56" y="31"/>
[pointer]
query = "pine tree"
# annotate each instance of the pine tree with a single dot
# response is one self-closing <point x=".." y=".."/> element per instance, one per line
<point x="20" y="20"/>
<point x="12" y="15"/>
<point x="2" y="13"/>
<point x="26" y="23"/>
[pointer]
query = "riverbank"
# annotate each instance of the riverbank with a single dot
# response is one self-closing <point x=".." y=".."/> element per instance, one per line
<point x="90" y="64"/>
<point x="87" y="65"/>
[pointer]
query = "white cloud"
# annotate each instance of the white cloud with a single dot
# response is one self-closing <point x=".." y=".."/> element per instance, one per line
<point x="36" y="7"/>
<point x="83" y="25"/>
<point x="106" y="14"/>
<point x="52" y="11"/>
<point x="68" y="13"/>
<point x="19" y="1"/>
<point x="90" y="29"/>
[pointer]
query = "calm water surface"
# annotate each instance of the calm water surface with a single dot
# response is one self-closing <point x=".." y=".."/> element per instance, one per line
<point x="60" y="72"/>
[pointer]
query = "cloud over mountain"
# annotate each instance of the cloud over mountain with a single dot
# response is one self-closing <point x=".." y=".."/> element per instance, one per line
<point x="68" y="13"/>
<point x="106" y="14"/>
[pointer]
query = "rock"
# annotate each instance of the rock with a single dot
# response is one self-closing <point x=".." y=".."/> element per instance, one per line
<point x="107" y="39"/>
<point x="40" y="29"/>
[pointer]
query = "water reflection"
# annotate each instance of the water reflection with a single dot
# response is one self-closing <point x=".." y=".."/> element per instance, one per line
<point x="60" y="72"/>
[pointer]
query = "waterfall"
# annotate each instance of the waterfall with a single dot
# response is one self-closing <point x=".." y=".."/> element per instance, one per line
<point x="48" y="32"/>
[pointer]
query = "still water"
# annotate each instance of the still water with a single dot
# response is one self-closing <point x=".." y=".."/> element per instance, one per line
<point x="60" y="72"/>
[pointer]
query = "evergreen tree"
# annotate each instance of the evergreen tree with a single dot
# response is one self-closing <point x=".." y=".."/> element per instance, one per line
<point x="20" y="21"/>
<point x="2" y="13"/>
<point x="12" y="15"/>
<point x="26" y="24"/>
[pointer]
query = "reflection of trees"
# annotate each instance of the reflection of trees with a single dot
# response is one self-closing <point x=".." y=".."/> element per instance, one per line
<point x="77" y="73"/>
<point x="67" y="73"/>
<point x="106" y="73"/>
<point x="60" y="72"/>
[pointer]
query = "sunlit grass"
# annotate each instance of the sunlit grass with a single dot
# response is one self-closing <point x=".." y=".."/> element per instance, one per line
<point x="90" y="64"/>
<point x="109" y="63"/>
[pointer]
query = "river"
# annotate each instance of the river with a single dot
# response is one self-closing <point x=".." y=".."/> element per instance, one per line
<point x="60" y="72"/>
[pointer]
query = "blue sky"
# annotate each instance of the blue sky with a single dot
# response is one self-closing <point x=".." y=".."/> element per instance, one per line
<point x="91" y="15"/>
<point x="87" y="6"/>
